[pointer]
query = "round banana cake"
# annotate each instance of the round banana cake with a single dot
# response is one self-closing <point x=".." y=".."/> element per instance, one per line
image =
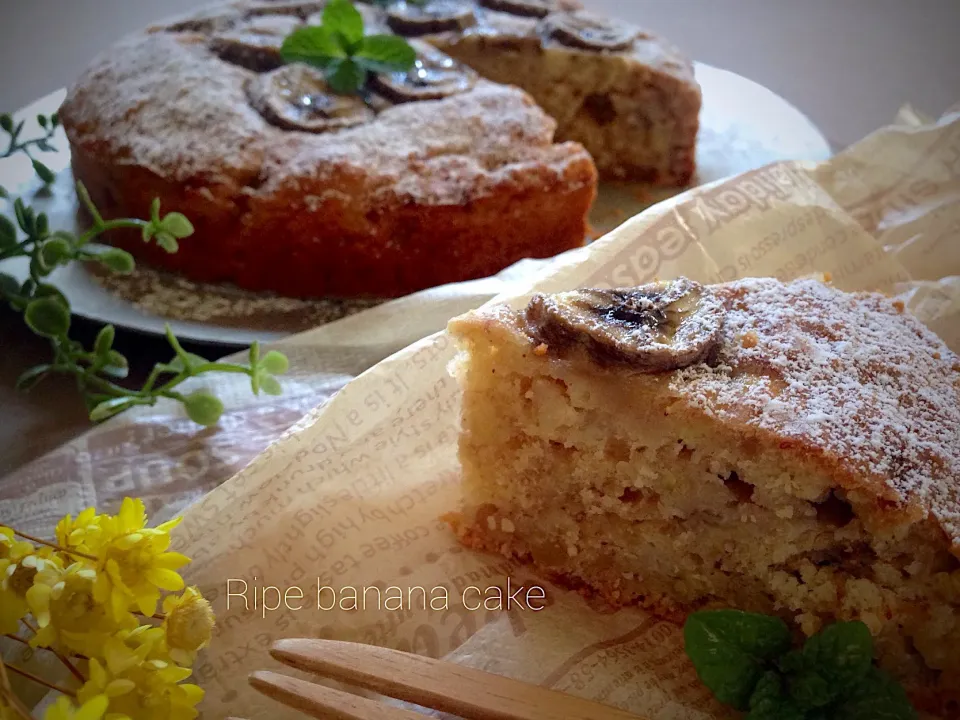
<point x="486" y="151"/>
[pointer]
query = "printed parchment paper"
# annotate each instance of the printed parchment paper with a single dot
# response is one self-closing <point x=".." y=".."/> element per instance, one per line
<point x="350" y="496"/>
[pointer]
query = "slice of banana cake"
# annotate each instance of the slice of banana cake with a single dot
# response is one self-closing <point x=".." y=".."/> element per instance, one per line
<point x="781" y="448"/>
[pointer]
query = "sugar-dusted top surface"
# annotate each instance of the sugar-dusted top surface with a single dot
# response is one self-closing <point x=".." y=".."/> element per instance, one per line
<point x="851" y="381"/>
<point x="164" y="102"/>
<point x="853" y="378"/>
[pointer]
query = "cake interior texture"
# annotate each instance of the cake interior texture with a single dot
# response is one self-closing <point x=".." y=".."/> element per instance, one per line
<point x="636" y="112"/>
<point x="809" y="470"/>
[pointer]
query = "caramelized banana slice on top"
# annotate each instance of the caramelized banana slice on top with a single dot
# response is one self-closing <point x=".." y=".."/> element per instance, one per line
<point x="297" y="97"/>
<point x="432" y="16"/>
<point x="433" y="76"/>
<point x="589" y="32"/>
<point x="255" y="43"/>
<point x="652" y="328"/>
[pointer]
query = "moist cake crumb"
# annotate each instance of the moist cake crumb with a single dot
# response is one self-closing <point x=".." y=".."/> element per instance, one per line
<point x="808" y="467"/>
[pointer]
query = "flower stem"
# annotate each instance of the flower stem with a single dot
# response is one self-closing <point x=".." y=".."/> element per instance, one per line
<point x="6" y="692"/>
<point x="37" y="540"/>
<point x="60" y="656"/>
<point x="15" y="704"/>
<point x="41" y="681"/>
<point x="24" y="641"/>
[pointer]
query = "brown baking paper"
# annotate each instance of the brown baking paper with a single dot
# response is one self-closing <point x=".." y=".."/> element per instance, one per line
<point x="351" y="495"/>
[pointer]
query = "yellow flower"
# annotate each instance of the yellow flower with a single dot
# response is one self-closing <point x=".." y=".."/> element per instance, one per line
<point x="67" y="615"/>
<point x="142" y="689"/>
<point x="6" y="710"/>
<point x="83" y="534"/>
<point x="188" y="624"/>
<point x="17" y="572"/>
<point x="64" y="709"/>
<point x="8" y="542"/>
<point x="134" y="565"/>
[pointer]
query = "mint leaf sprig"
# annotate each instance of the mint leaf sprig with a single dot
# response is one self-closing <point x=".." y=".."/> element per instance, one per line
<point x="346" y="55"/>
<point x="747" y="662"/>
<point x="47" y="313"/>
<point x="48" y="124"/>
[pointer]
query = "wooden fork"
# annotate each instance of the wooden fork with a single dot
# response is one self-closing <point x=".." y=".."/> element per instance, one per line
<point x="445" y="686"/>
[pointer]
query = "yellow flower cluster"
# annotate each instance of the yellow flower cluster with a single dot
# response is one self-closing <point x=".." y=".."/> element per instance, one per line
<point x="92" y="597"/>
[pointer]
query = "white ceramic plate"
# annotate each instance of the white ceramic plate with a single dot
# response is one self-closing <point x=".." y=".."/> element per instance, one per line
<point x="743" y="126"/>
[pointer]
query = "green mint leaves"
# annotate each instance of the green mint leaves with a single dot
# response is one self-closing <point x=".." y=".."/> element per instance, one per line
<point x="340" y="48"/>
<point x="47" y="313"/>
<point x="730" y="650"/>
<point x="747" y="662"/>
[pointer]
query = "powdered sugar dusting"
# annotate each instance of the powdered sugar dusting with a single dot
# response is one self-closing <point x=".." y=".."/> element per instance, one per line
<point x="851" y="377"/>
<point x="164" y="102"/>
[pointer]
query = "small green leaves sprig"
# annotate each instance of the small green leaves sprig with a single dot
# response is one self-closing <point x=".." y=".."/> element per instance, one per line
<point x="48" y="126"/>
<point x="47" y="313"/>
<point x="339" y="47"/>
<point x="747" y="661"/>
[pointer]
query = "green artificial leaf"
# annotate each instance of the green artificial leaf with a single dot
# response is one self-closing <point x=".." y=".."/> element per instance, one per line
<point x="116" y="359"/>
<point x="842" y="653"/>
<point x="104" y="341"/>
<point x="876" y="697"/>
<point x="42" y="225"/>
<point x="3" y="193"/>
<point x="345" y="76"/>
<point x="25" y="216"/>
<point x="386" y="53"/>
<point x="115" y="365"/>
<point x="54" y="120"/>
<point x="37" y="268"/>
<point x="177" y="365"/>
<point x="43" y="172"/>
<point x="203" y="407"/>
<point x="254" y="359"/>
<point x="6" y="122"/>
<point x="45" y="290"/>
<point x="274" y="362"/>
<point x="48" y="317"/>
<point x="342" y="18"/>
<point x="9" y="286"/>
<point x="42" y="121"/>
<point x="270" y="385"/>
<point x="8" y="233"/>
<point x="155" y="211"/>
<point x="117" y="260"/>
<point x="167" y="241"/>
<point x="728" y="648"/>
<point x="108" y="408"/>
<point x="768" y="701"/>
<point x="177" y="225"/>
<point x="56" y="251"/>
<point x="314" y="45"/>
<point x="29" y="378"/>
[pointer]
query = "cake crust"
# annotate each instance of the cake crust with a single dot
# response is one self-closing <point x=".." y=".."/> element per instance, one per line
<point x="427" y="193"/>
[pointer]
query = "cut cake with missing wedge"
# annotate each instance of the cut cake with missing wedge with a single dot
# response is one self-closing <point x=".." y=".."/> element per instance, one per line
<point x="780" y="448"/>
